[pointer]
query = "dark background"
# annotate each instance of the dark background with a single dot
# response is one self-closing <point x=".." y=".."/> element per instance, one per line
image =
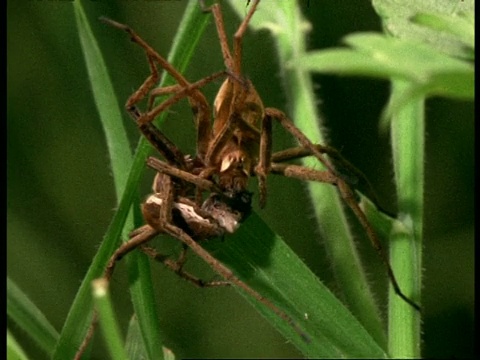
<point x="60" y="192"/>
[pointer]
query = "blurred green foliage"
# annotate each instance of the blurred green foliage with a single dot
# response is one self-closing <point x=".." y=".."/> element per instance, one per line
<point x="60" y="195"/>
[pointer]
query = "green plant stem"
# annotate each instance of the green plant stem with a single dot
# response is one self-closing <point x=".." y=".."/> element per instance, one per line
<point x="407" y="133"/>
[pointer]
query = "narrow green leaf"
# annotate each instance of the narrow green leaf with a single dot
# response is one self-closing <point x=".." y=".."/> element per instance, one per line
<point x="80" y="313"/>
<point x="14" y="350"/>
<point x="107" y="105"/>
<point x="382" y="223"/>
<point x="26" y="315"/>
<point x="134" y="344"/>
<point x="380" y="56"/>
<point x="261" y="259"/>
<point x="107" y="320"/>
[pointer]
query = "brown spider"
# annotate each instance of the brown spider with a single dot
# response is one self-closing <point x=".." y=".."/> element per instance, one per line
<point x="238" y="144"/>
<point x="234" y="147"/>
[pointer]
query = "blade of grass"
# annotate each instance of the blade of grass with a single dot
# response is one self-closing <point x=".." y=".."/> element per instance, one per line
<point x="260" y="258"/>
<point x="14" y="350"/>
<point x="80" y="313"/>
<point x="26" y="315"/>
<point x="288" y="28"/>
<point x="107" y="319"/>
<point x="134" y="345"/>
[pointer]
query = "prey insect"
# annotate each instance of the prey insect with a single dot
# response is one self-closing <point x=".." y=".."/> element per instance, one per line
<point x="203" y="196"/>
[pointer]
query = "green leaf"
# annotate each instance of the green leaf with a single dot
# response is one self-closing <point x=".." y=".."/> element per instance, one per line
<point x="107" y="105"/>
<point x="14" y="350"/>
<point x="397" y="21"/>
<point x="261" y="259"/>
<point x="460" y="25"/>
<point x="80" y="313"/>
<point x="107" y="320"/>
<point x="27" y="316"/>
<point x="428" y="71"/>
<point x="134" y="345"/>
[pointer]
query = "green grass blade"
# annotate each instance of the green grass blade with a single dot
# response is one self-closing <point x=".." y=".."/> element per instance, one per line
<point x="260" y="257"/>
<point x="107" y="105"/>
<point x="14" y="350"/>
<point x="134" y="344"/>
<point x="27" y="316"/>
<point x="80" y="313"/>
<point x="190" y="30"/>
<point x="107" y="320"/>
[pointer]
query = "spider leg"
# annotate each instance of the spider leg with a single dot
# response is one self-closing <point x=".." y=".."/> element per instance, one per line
<point x="166" y="225"/>
<point x="201" y="114"/>
<point x="344" y="188"/>
<point x="162" y="223"/>
<point x="304" y="173"/>
<point x="197" y="100"/>
<point x="177" y="268"/>
<point x="160" y="142"/>
<point x="238" y="37"/>
<point x="233" y="63"/>
<point x="264" y="160"/>
<point x="275" y="114"/>
<point x="169" y="170"/>
<point x="228" y="275"/>
<point x="218" y="17"/>
<point x="350" y="199"/>
<point x="345" y="169"/>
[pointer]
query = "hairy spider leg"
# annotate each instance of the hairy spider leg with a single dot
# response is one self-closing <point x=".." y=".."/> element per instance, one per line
<point x="330" y="176"/>
<point x="197" y="100"/>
